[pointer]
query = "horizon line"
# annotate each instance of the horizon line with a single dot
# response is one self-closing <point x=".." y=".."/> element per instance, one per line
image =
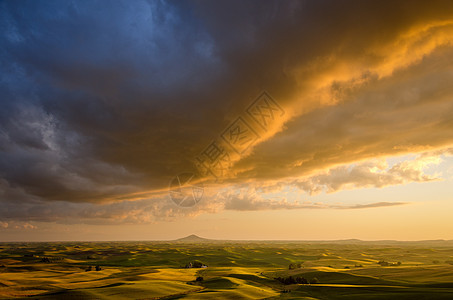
<point x="202" y="239"/>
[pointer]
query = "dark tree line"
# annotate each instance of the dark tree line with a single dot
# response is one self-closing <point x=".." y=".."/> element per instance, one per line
<point x="296" y="280"/>
<point x="51" y="259"/>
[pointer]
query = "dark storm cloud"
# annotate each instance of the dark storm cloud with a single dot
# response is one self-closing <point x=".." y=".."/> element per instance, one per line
<point x="94" y="94"/>
<point x="101" y="101"/>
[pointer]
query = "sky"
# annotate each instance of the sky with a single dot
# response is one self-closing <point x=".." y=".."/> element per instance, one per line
<point x="153" y="120"/>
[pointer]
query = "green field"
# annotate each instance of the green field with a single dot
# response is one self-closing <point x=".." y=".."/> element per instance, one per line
<point x="236" y="270"/>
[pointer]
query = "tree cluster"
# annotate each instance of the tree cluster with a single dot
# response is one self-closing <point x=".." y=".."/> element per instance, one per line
<point x="294" y="266"/>
<point x="90" y="268"/>
<point x="384" y="263"/>
<point x="196" y="264"/>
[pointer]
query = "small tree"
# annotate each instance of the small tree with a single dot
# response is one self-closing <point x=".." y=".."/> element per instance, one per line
<point x="314" y="281"/>
<point x="383" y="263"/>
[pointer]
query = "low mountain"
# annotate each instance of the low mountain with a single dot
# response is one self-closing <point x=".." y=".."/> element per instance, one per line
<point x="192" y="239"/>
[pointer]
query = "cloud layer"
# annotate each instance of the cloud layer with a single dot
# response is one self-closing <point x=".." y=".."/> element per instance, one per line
<point x="102" y="105"/>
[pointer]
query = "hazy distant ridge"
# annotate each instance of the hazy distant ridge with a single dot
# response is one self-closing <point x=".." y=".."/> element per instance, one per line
<point x="197" y="239"/>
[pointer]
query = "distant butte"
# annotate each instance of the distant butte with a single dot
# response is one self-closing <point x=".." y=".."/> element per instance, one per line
<point x="192" y="238"/>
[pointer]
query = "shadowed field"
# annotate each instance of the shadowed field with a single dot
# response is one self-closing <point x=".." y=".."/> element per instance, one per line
<point x="235" y="270"/>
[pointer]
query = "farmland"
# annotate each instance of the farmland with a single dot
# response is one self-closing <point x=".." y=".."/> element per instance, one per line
<point x="235" y="270"/>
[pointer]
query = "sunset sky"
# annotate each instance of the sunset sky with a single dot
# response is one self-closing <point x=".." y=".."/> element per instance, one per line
<point x="333" y="119"/>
